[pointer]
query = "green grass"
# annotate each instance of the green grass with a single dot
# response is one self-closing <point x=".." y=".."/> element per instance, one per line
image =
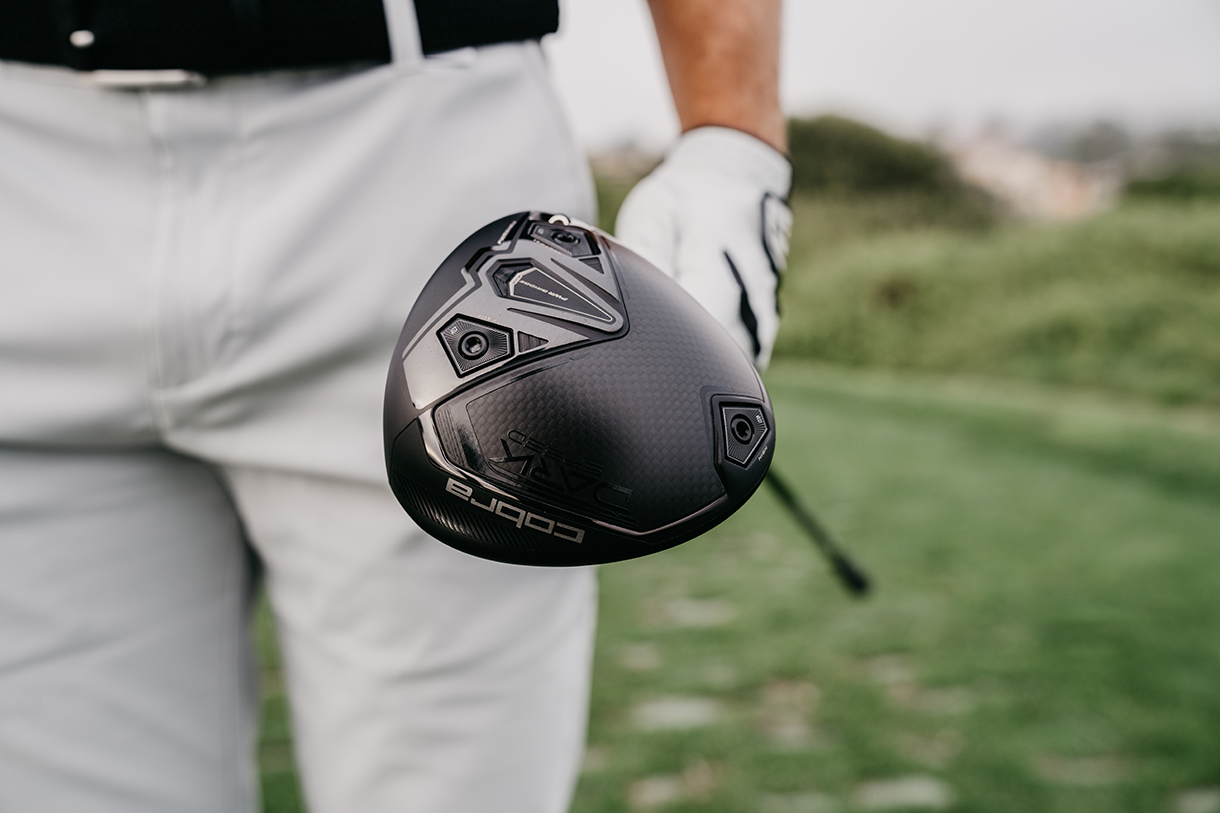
<point x="1128" y="301"/>
<point x="281" y="789"/>
<point x="1041" y="638"/>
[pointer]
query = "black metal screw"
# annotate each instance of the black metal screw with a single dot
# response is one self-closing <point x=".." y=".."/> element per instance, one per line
<point x="473" y="345"/>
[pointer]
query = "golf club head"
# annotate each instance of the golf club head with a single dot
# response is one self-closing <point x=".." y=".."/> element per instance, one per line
<point x="555" y="399"/>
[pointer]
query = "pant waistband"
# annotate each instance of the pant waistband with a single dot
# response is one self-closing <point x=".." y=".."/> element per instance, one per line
<point x="215" y="37"/>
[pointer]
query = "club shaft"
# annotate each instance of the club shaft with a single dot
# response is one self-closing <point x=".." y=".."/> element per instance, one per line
<point x="849" y="573"/>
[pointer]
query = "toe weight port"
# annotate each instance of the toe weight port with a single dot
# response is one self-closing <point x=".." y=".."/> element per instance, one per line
<point x="745" y="428"/>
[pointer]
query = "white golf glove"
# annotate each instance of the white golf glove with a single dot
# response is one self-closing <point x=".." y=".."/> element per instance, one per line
<point x="713" y="217"/>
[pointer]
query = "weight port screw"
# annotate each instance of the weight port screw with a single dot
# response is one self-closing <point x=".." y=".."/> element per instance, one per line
<point x="473" y="345"/>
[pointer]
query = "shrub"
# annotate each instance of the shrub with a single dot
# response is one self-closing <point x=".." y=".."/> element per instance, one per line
<point x="833" y="154"/>
<point x="1191" y="183"/>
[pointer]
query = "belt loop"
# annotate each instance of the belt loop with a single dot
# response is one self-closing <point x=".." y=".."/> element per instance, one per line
<point x="403" y="29"/>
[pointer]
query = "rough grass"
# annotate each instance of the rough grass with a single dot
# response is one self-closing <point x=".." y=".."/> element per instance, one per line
<point x="1128" y="301"/>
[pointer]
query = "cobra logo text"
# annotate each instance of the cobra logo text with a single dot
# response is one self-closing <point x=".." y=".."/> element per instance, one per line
<point x="515" y="514"/>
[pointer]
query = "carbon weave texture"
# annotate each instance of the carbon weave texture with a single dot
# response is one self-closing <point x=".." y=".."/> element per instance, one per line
<point x="637" y="406"/>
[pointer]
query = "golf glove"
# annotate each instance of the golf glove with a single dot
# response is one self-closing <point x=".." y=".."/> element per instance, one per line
<point x="713" y="216"/>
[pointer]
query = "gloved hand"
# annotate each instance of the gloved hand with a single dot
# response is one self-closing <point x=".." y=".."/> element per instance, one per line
<point x="713" y="217"/>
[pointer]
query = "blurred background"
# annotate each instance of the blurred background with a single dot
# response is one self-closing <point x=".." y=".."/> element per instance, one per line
<point x="997" y="380"/>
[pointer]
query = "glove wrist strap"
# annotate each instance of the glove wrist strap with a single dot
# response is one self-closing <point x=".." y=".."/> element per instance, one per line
<point x="733" y="153"/>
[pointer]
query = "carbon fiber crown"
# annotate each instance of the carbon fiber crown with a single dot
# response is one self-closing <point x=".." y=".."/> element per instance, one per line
<point x="554" y="399"/>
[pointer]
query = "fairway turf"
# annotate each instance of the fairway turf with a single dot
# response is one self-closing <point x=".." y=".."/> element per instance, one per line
<point x="1041" y="638"/>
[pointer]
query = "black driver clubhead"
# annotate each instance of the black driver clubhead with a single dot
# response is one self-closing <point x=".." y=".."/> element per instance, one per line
<point x="555" y="399"/>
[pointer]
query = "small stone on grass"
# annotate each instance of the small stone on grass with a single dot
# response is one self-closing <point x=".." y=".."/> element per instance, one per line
<point x="1197" y="800"/>
<point x="1081" y="772"/>
<point x="654" y="791"/>
<point x="676" y="713"/>
<point x="640" y="657"/>
<point x="691" y="613"/>
<point x="906" y="792"/>
<point x="697" y="781"/>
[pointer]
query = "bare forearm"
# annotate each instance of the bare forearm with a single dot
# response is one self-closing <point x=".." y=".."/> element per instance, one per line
<point x="722" y="59"/>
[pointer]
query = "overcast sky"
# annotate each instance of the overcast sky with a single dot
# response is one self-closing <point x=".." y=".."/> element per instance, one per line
<point x="915" y="65"/>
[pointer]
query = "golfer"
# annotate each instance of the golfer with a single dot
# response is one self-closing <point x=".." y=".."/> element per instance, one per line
<point x="214" y="217"/>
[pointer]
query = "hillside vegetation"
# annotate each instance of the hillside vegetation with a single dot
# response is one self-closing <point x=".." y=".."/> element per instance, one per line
<point x="897" y="264"/>
<point x="1128" y="301"/>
